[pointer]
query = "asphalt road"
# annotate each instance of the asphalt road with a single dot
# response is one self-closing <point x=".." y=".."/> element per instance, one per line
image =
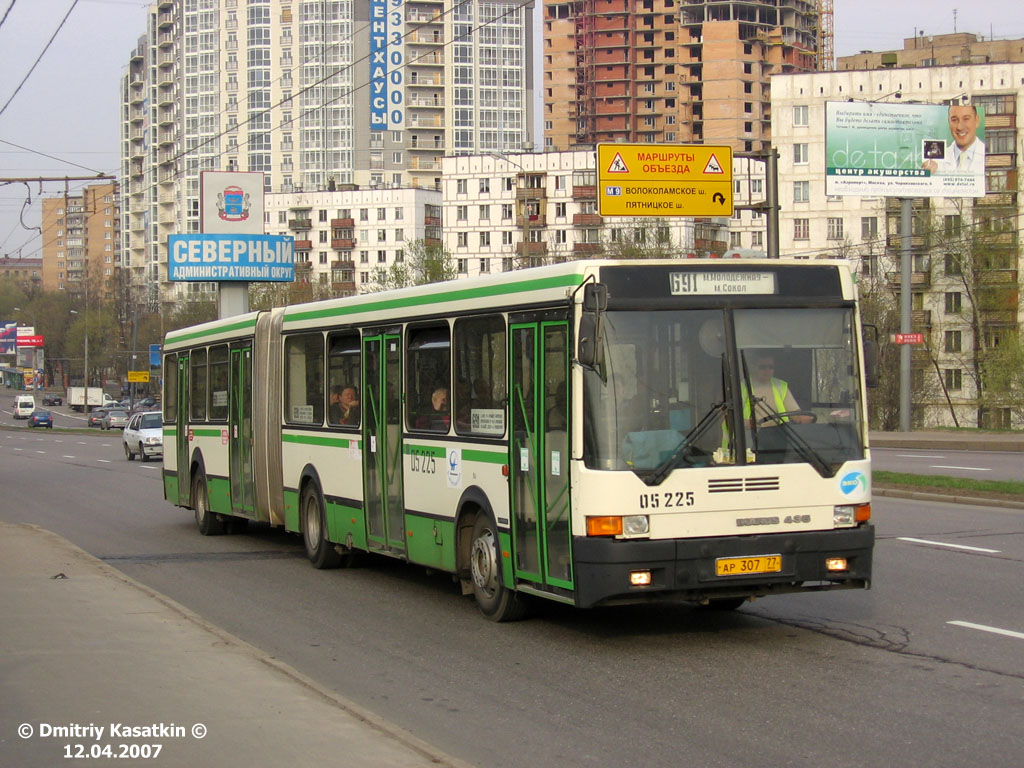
<point x="974" y="465"/>
<point x="927" y="668"/>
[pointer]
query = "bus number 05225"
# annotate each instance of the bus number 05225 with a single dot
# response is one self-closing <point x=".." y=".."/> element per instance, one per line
<point x="666" y="499"/>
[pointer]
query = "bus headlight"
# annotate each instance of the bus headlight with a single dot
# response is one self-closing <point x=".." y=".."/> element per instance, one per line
<point x="635" y="525"/>
<point x="848" y="515"/>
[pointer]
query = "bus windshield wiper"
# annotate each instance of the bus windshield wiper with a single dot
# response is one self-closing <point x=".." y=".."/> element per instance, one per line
<point x="803" y="448"/>
<point x="659" y="473"/>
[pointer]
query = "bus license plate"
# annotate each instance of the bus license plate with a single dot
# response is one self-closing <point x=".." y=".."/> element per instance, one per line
<point x="741" y="566"/>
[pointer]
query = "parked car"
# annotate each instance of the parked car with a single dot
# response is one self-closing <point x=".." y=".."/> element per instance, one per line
<point x="41" y="419"/>
<point x="115" y="418"/>
<point x="96" y="417"/>
<point x="53" y="400"/>
<point x="23" y="406"/>
<point x="144" y="435"/>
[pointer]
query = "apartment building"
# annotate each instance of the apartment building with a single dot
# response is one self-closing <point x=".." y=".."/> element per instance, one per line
<point x="312" y="93"/>
<point x="26" y="274"/>
<point x="343" y="237"/>
<point x="504" y="212"/>
<point x="81" y="241"/>
<point x="669" y="71"/>
<point x="937" y="51"/>
<point x="966" y="251"/>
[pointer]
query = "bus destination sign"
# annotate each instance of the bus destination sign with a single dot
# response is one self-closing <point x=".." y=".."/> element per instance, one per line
<point x="721" y="283"/>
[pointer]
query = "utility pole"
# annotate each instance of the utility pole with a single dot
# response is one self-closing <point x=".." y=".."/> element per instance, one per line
<point x="770" y="206"/>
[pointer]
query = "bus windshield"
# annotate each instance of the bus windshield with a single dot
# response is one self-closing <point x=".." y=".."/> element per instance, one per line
<point x="664" y="395"/>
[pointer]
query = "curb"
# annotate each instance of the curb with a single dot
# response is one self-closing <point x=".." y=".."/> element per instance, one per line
<point x="900" y="493"/>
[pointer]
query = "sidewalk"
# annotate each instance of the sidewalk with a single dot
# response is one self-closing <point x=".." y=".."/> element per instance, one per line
<point x="942" y="440"/>
<point x="82" y="647"/>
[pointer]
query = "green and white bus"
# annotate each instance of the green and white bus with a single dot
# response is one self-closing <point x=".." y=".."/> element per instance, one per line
<point x="589" y="432"/>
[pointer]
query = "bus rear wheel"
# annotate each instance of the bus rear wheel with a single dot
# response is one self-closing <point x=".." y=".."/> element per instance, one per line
<point x="495" y="600"/>
<point x="319" y="550"/>
<point x="208" y="522"/>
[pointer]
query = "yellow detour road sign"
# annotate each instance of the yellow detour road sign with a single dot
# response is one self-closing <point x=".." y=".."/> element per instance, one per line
<point x="138" y="377"/>
<point x="664" y="180"/>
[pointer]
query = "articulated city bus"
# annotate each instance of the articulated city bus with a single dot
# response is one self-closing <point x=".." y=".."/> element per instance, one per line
<point x="595" y="433"/>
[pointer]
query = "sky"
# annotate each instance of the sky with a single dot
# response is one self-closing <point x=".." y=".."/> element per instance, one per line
<point x="68" y="107"/>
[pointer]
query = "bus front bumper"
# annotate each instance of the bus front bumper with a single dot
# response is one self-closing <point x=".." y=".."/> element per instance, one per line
<point x="685" y="569"/>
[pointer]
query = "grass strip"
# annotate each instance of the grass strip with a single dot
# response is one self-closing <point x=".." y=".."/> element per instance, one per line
<point x="945" y="482"/>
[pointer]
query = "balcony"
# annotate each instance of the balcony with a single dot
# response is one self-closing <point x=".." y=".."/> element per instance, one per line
<point x="587" y="219"/>
<point x="303" y="245"/>
<point x="535" y="249"/>
<point x="917" y="279"/>
<point x="584" y="192"/>
<point x="535" y="221"/>
<point x="299" y="225"/>
<point x="342" y="243"/>
<point x="530" y="193"/>
<point x="339" y="223"/>
<point x="587" y="249"/>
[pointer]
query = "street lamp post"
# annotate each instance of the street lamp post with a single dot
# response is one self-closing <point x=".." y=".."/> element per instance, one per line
<point x="85" y="377"/>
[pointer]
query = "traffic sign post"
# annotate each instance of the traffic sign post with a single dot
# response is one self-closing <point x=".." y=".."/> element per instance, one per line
<point x="664" y="180"/>
<point x="908" y="338"/>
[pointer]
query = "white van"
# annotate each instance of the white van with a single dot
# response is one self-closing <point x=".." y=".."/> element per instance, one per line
<point x="24" y="405"/>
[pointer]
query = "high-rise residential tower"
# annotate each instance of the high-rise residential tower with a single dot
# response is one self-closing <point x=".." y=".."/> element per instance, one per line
<point x="670" y="71"/>
<point x="314" y="94"/>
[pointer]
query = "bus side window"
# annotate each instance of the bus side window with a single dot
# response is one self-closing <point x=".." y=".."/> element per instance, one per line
<point x="428" y="386"/>
<point x="480" y="376"/>
<point x="303" y="379"/>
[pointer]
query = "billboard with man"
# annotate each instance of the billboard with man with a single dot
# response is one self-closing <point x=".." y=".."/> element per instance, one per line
<point x="904" y="150"/>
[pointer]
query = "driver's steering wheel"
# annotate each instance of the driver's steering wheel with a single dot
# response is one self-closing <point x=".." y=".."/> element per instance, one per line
<point x="777" y="417"/>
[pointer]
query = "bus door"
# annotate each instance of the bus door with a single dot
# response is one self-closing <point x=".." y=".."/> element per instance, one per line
<point x="181" y="441"/>
<point x="382" y="442"/>
<point x="240" y="431"/>
<point x="540" y="452"/>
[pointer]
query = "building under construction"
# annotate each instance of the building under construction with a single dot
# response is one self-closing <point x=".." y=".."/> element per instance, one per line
<point x="674" y="71"/>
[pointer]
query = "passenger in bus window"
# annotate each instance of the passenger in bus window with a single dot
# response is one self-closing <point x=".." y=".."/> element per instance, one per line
<point x="344" y="408"/>
<point x="350" y="406"/>
<point x="438" y="418"/>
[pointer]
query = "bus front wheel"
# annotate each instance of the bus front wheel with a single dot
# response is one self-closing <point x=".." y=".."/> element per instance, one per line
<point x="495" y="600"/>
<point x="208" y="522"/>
<point x="319" y="550"/>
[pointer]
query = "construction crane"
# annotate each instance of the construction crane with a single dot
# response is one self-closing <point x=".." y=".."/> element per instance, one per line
<point x="825" y="53"/>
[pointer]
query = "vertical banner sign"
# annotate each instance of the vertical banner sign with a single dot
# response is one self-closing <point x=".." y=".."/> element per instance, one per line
<point x="387" y="65"/>
<point x="396" y="66"/>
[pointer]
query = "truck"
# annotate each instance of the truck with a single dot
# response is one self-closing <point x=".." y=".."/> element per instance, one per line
<point x="97" y="398"/>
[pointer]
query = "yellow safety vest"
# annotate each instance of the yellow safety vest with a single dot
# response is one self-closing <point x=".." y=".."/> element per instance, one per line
<point x="779" y="391"/>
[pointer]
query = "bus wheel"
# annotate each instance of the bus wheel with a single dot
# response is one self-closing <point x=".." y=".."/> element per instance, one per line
<point x="208" y="522"/>
<point x="319" y="550"/>
<point x="495" y="601"/>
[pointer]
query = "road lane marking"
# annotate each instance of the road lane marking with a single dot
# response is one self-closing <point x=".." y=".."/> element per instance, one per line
<point x="67" y="457"/>
<point x="944" y="544"/>
<point x="983" y="628"/>
<point x="103" y="461"/>
<point x="918" y="456"/>
<point x="973" y="469"/>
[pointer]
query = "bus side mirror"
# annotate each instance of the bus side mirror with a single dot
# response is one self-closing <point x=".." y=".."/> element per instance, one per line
<point x="870" y="334"/>
<point x="590" y="349"/>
